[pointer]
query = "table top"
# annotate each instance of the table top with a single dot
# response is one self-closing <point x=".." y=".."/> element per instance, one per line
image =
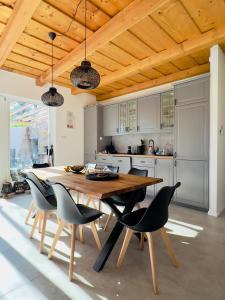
<point x="100" y="189"/>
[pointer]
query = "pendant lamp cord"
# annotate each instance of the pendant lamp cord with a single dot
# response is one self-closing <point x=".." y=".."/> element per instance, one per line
<point x="52" y="62"/>
<point x="85" y="28"/>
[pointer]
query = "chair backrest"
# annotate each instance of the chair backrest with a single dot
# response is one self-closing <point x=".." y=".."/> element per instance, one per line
<point x="34" y="178"/>
<point x="141" y="193"/>
<point x="66" y="207"/>
<point x="39" y="166"/>
<point x="156" y="214"/>
<point x="38" y="197"/>
<point x="113" y="169"/>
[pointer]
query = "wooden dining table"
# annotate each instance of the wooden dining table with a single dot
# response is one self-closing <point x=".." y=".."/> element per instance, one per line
<point x="101" y="190"/>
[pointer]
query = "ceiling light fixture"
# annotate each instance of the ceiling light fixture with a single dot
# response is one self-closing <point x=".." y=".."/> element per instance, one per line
<point x="85" y="77"/>
<point x="52" y="97"/>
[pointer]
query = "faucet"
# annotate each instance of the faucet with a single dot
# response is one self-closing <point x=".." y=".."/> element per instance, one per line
<point x="152" y="143"/>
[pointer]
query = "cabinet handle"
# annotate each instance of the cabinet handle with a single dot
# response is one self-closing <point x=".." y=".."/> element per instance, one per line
<point x="104" y="159"/>
<point x="95" y="155"/>
<point x="175" y="154"/>
<point x="117" y="130"/>
<point x="175" y="102"/>
<point x="175" y="163"/>
<point x="155" y="161"/>
<point x="138" y="127"/>
<point x="120" y="160"/>
<point x="143" y="162"/>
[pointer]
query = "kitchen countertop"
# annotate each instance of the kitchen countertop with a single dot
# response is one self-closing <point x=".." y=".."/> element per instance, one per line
<point x="139" y="155"/>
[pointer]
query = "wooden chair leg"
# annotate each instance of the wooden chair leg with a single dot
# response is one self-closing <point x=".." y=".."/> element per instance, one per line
<point x="40" y="223"/>
<point x="108" y="221"/>
<point x="99" y="208"/>
<point x="153" y="262"/>
<point x="44" y="220"/>
<point x="31" y="208"/>
<point x="169" y="247"/>
<point x="124" y="246"/>
<point x="81" y="230"/>
<point x="56" y="238"/>
<point x="73" y="238"/>
<point x="91" y="200"/>
<point x="38" y="214"/>
<point x="141" y="246"/>
<point x="96" y="237"/>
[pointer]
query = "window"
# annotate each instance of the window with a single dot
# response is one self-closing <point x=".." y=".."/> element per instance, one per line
<point x="28" y="135"/>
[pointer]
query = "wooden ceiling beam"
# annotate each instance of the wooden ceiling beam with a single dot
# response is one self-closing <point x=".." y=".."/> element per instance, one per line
<point x="156" y="82"/>
<point x="129" y="16"/>
<point x="189" y="47"/>
<point x="15" y="26"/>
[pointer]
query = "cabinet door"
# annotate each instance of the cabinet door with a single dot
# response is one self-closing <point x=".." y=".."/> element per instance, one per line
<point x="132" y="116"/>
<point x="90" y="134"/>
<point x="151" y="173"/>
<point x="164" y="170"/>
<point x="193" y="176"/>
<point x="149" y="113"/>
<point x="110" y="120"/>
<point x="192" y="131"/>
<point x="124" y="163"/>
<point x="193" y="91"/>
<point x="123" y="117"/>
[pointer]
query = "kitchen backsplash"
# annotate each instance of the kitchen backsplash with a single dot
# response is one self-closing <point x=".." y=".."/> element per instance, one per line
<point x="162" y="140"/>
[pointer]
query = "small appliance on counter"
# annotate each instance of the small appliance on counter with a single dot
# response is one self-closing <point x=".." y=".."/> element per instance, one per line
<point x="110" y="149"/>
<point x="141" y="148"/>
<point x="129" y="151"/>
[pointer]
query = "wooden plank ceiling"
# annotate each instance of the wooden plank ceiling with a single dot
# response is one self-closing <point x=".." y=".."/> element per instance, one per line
<point x="134" y="44"/>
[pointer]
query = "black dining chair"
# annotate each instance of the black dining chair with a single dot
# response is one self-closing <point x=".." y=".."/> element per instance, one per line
<point x="121" y="200"/>
<point x="39" y="166"/>
<point x="75" y="215"/>
<point x="45" y="189"/>
<point x="43" y="209"/>
<point x="148" y="220"/>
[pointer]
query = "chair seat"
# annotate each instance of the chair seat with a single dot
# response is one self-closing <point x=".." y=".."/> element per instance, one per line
<point x="89" y="214"/>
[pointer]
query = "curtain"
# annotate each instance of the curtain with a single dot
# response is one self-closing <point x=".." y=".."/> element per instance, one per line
<point x="4" y="141"/>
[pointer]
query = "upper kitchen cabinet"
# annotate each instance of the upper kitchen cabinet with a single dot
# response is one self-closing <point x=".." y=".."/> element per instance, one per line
<point x="110" y="120"/>
<point x="167" y="110"/>
<point x="192" y="91"/>
<point x="128" y="117"/>
<point x="149" y="113"/>
<point x="192" y="131"/>
<point x="123" y="117"/>
<point x="132" y="116"/>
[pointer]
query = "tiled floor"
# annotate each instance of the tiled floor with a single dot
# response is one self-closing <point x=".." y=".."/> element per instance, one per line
<point x="199" y="242"/>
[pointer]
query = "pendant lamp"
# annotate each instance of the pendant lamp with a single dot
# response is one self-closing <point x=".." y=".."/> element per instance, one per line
<point x="85" y="77"/>
<point x="52" y="97"/>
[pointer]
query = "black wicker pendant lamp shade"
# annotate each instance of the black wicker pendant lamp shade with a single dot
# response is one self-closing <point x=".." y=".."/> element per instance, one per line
<point x="52" y="97"/>
<point x="85" y="77"/>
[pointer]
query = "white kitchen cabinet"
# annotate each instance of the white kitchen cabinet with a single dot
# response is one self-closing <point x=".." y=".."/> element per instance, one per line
<point x="128" y="117"/>
<point x="123" y="117"/>
<point x="149" y="113"/>
<point x="123" y="162"/>
<point x="192" y="131"/>
<point x="104" y="160"/>
<point x="194" y="179"/>
<point x="164" y="170"/>
<point x="193" y="91"/>
<point x="110" y="120"/>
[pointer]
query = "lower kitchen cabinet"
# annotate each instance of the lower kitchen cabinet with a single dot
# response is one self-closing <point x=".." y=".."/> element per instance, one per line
<point x="164" y="170"/>
<point x="193" y="176"/>
<point x="124" y="163"/>
<point x="151" y="173"/>
<point x="104" y="160"/>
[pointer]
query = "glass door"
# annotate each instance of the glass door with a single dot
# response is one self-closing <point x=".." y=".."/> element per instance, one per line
<point x="132" y="116"/>
<point x="122" y="117"/>
<point x="28" y="135"/>
<point x="167" y="110"/>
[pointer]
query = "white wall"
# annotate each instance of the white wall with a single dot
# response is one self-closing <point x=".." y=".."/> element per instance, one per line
<point x="217" y="138"/>
<point x="68" y="143"/>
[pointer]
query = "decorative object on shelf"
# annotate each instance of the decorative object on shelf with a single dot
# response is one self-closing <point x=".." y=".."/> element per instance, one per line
<point x="85" y="77"/>
<point x="6" y="189"/>
<point x="19" y="187"/>
<point x="52" y="97"/>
